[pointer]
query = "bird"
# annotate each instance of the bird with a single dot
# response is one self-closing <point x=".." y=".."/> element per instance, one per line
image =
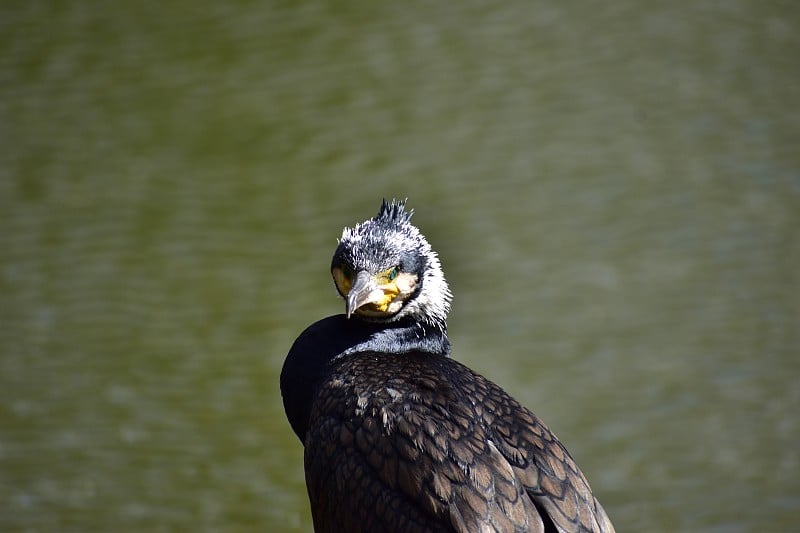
<point x="398" y="435"/>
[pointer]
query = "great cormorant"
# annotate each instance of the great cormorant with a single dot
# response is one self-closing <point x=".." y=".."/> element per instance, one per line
<point x="400" y="437"/>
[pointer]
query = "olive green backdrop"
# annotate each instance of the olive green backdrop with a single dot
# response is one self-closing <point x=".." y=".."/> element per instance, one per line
<point x="614" y="190"/>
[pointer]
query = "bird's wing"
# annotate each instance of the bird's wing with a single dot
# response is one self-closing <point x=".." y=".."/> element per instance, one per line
<point x="449" y="460"/>
<point x="435" y="447"/>
<point x="539" y="461"/>
<point x="410" y="457"/>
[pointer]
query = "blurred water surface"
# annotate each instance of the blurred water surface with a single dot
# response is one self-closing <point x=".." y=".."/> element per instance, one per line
<point x="614" y="191"/>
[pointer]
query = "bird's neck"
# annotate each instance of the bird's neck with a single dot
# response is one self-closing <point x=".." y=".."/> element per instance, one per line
<point x="324" y="342"/>
<point x="402" y="336"/>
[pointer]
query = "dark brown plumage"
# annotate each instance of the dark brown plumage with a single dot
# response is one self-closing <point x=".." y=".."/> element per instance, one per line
<point x="400" y="437"/>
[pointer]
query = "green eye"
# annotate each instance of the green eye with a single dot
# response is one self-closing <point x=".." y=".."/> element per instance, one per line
<point x="393" y="273"/>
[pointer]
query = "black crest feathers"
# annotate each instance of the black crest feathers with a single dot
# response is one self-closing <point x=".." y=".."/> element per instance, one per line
<point x="393" y="213"/>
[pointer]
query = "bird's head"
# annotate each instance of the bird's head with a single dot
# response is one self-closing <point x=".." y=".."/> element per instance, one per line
<point x="385" y="270"/>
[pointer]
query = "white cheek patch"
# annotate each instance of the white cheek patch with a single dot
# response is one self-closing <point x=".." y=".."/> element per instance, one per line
<point x="394" y="306"/>
<point x="406" y="283"/>
<point x="376" y="296"/>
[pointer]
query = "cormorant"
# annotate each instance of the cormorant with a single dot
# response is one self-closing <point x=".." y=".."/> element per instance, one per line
<point x="400" y="437"/>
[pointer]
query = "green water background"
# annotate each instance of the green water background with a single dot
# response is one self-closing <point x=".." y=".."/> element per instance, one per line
<point x="614" y="190"/>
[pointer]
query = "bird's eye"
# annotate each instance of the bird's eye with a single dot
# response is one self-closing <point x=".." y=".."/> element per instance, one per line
<point x="393" y="273"/>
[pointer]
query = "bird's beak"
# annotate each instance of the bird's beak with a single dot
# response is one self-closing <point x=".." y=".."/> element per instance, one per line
<point x="361" y="292"/>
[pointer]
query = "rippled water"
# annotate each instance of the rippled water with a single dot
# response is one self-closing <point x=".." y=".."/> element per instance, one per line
<point x="614" y="192"/>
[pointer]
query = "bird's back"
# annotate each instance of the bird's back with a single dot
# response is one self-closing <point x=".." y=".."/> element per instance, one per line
<point x="419" y="442"/>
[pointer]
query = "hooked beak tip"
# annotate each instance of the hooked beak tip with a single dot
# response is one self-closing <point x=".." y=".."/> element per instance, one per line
<point x="359" y="293"/>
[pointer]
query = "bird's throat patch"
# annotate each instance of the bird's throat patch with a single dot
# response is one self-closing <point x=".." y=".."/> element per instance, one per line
<point x="380" y="299"/>
<point x="387" y="291"/>
<point x="388" y="297"/>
